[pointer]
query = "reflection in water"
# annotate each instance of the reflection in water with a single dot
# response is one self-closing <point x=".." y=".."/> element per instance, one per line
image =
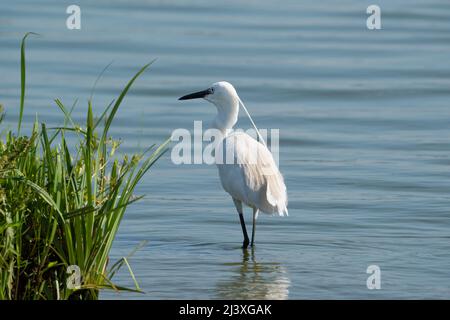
<point x="255" y="280"/>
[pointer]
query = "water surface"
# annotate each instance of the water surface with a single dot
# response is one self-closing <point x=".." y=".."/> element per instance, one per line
<point x="364" y="137"/>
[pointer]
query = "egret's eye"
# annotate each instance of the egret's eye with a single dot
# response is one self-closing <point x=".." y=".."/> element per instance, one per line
<point x="211" y="90"/>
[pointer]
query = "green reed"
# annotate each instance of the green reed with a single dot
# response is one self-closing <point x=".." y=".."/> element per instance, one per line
<point x="61" y="205"/>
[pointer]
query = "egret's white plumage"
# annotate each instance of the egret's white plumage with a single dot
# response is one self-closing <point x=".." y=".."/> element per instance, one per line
<point x="252" y="177"/>
<point x="254" y="180"/>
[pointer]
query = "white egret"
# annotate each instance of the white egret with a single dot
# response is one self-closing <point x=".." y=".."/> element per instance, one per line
<point x="253" y="177"/>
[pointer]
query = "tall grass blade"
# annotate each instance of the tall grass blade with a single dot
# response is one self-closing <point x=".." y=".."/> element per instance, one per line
<point x="22" y="79"/>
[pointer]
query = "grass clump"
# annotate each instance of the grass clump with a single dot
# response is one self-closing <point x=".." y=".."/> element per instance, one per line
<point x="61" y="205"/>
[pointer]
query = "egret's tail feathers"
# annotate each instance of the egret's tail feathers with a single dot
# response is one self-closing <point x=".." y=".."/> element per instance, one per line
<point x="276" y="196"/>
<point x="283" y="212"/>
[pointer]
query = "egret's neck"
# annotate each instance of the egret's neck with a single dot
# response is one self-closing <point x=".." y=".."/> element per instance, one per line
<point x="227" y="116"/>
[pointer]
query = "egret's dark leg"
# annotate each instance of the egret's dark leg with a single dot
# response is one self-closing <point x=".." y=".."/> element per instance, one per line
<point x="244" y="231"/>
<point x="255" y="214"/>
<point x="238" y="205"/>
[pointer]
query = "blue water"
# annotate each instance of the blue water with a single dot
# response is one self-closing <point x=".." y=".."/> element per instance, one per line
<point x="364" y="121"/>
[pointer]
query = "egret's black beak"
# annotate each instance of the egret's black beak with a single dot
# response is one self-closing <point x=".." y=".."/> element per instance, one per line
<point x="196" y="95"/>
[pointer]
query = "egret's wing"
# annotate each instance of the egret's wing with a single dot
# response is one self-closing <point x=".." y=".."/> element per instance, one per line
<point x="263" y="182"/>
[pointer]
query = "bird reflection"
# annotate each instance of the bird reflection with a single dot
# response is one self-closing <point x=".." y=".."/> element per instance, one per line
<point x="255" y="280"/>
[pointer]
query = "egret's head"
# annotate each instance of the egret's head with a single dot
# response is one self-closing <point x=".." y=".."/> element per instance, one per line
<point x="221" y="94"/>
